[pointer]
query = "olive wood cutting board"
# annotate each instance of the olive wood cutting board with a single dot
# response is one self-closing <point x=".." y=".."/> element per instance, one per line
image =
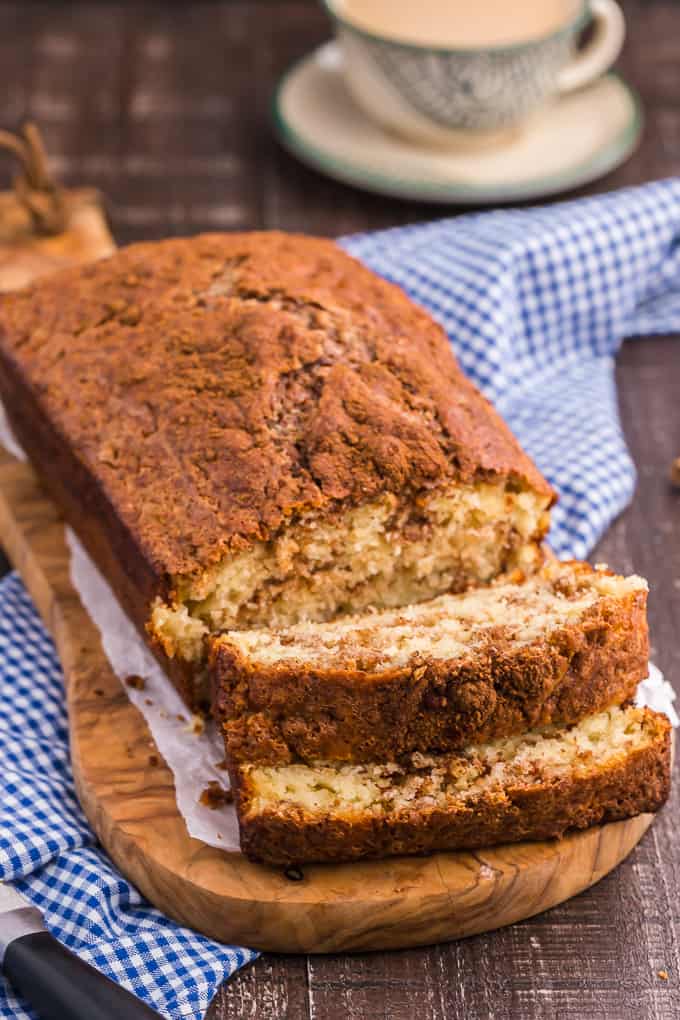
<point x="127" y="793"/>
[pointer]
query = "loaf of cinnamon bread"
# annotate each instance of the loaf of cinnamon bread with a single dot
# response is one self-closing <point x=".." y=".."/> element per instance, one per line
<point x="552" y="647"/>
<point x="254" y="430"/>
<point x="611" y="765"/>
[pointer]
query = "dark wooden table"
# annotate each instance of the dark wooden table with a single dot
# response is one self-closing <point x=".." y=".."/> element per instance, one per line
<point x="165" y="108"/>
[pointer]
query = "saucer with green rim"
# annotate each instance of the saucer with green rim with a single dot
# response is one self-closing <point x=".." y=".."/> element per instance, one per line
<point x="581" y="136"/>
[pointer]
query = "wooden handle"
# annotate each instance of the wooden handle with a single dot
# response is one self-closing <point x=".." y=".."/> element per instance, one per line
<point x="34" y="186"/>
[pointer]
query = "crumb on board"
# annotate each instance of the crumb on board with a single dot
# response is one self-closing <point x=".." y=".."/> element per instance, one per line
<point x="138" y="683"/>
<point x="675" y="473"/>
<point x="215" y="796"/>
<point x="148" y="701"/>
<point x="181" y="718"/>
<point x="663" y="974"/>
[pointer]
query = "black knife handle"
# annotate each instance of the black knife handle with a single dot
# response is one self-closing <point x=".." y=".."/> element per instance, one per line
<point x="62" y="987"/>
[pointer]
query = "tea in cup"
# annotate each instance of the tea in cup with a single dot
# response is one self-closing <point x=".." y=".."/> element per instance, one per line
<point x="469" y="72"/>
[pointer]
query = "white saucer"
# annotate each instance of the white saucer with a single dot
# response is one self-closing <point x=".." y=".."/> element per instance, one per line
<point x="580" y="137"/>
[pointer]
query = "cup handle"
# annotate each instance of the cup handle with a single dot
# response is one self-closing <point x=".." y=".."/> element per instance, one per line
<point x="602" y="50"/>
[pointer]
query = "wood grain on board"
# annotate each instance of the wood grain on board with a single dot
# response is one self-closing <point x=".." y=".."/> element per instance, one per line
<point x="164" y="107"/>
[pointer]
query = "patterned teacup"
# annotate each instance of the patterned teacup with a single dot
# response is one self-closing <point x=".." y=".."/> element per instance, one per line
<point x="472" y="96"/>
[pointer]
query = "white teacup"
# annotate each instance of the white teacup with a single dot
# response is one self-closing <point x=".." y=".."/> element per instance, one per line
<point x="472" y="95"/>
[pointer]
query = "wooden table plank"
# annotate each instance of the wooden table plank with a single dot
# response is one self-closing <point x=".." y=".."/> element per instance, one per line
<point x="164" y="107"/>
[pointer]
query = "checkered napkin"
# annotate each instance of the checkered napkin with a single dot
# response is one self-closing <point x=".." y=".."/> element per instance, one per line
<point x="535" y="302"/>
<point x="52" y="857"/>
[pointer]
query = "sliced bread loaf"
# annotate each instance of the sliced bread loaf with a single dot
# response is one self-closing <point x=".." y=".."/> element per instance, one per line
<point x="254" y="429"/>
<point x="611" y="765"/>
<point x="436" y="676"/>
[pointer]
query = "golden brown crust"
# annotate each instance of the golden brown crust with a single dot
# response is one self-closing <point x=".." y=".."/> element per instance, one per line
<point x="292" y="712"/>
<point x="633" y="784"/>
<point x="208" y="390"/>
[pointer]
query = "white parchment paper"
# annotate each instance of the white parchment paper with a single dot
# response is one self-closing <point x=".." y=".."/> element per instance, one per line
<point x="193" y="757"/>
<point x="7" y="437"/>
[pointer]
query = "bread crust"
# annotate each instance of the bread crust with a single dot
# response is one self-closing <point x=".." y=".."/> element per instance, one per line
<point x="632" y="784"/>
<point x="238" y="380"/>
<point x="186" y="399"/>
<point x="290" y="711"/>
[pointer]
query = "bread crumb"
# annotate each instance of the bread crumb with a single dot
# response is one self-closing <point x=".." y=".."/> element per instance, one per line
<point x="197" y="725"/>
<point x="138" y="683"/>
<point x="663" y="974"/>
<point x="215" y="796"/>
<point x="675" y="473"/>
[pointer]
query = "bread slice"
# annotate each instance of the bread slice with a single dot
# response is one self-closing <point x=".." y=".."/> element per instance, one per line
<point x="460" y="669"/>
<point x="254" y="429"/>
<point x="611" y="765"/>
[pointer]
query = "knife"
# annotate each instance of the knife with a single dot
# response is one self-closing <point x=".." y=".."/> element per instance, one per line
<point x="57" y="984"/>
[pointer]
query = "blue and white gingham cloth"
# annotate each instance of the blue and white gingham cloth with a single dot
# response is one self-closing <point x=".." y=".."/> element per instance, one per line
<point x="536" y="303"/>
<point x="50" y="854"/>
